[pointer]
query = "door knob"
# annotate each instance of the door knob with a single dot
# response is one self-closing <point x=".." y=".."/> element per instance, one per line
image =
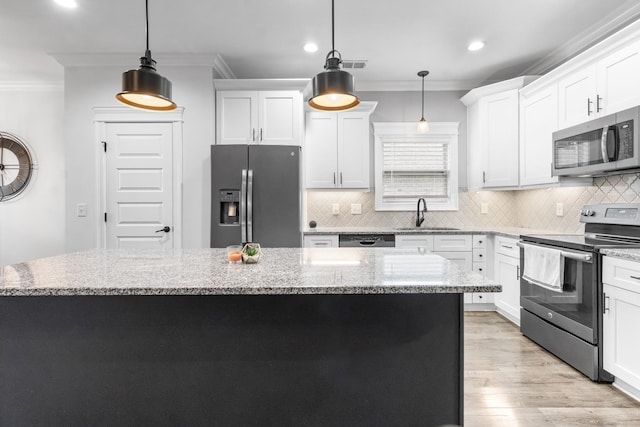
<point x="166" y="229"/>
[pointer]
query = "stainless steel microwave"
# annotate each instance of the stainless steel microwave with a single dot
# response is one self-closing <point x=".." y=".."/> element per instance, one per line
<point x="599" y="146"/>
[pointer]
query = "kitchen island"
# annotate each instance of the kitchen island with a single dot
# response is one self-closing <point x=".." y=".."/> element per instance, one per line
<point x="305" y="337"/>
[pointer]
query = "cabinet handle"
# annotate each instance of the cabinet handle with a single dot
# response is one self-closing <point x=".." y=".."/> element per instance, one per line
<point x="589" y="102"/>
<point x="605" y="308"/>
<point x="340" y="178"/>
<point x="484" y="177"/>
<point x="635" y="277"/>
<point x="480" y="255"/>
<point x="508" y="247"/>
<point x="518" y="272"/>
<point x="253" y="138"/>
<point x="598" y="99"/>
<point x="334" y="178"/>
<point x="480" y="242"/>
<point x="260" y="134"/>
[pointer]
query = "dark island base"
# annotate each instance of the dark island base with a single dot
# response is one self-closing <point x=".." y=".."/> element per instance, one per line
<point x="284" y="360"/>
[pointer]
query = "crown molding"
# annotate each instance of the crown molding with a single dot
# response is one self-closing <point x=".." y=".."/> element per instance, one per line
<point x="515" y="83"/>
<point x="220" y="66"/>
<point x="261" y="84"/>
<point x="32" y="86"/>
<point x="620" y="18"/>
<point x="416" y="85"/>
<point x="128" y="59"/>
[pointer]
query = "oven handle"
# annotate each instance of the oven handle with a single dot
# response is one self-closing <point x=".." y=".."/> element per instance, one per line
<point x="588" y="258"/>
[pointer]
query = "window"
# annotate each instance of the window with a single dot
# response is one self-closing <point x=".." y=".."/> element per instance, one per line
<point x="410" y="165"/>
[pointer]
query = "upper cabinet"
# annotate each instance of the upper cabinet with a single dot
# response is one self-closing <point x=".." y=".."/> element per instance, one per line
<point x="493" y="134"/>
<point x="337" y="149"/>
<point x="601" y="87"/>
<point x="259" y="117"/>
<point x="538" y="120"/>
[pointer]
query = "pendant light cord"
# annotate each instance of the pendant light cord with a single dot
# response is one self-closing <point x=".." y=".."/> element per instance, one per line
<point x="422" y="97"/>
<point x="333" y="28"/>
<point x="146" y="24"/>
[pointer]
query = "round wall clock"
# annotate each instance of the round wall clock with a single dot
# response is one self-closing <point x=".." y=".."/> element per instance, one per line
<point x="16" y="166"/>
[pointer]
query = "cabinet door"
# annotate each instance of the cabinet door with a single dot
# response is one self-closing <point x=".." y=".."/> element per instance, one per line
<point x="279" y="117"/>
<point x="618" y="82"/>
<point x="507" y="274"/>
<point x="499" y="114"/>
<point x="452" y="242"/>
<point x="476" y="148"/>
<point x="353" y="150"/>
<point x="621" y="347"/>
<point x="237" y="117"/>
<point x="463" y="259"/>
<point x="321" y="150"/>
<point x="577" y="97"/>
<point x="538" y="120"/>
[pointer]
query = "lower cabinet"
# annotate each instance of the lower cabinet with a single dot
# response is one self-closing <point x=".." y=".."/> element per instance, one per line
<point x="414" y="241"/>
<point x="321" y="241"/>
<point x="621" y="347"/>
<point x="507" y="273"/>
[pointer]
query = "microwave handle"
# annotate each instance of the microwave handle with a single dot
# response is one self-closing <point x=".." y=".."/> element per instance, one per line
<point x="604" y="144"/>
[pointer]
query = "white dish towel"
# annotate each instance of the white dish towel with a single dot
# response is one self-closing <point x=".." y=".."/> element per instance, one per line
<point x="543" y="267"/>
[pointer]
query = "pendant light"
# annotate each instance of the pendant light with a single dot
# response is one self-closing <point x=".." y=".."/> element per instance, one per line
<point x="333" y="88"/>
<point x="144" y="88"/>
<point x="423" y="125"/>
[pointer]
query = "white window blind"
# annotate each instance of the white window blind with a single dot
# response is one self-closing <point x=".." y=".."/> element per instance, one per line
<point x="415" y="169"/>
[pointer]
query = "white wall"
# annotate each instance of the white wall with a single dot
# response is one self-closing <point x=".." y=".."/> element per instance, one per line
<point x="88" y="87"/>
<point x="32" y="225"/>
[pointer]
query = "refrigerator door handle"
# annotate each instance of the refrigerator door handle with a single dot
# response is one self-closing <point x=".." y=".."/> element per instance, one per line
<point x="243" y="207"/>
<point x="250" y="206"/>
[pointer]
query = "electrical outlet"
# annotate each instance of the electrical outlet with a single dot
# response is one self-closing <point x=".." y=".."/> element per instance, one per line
<point x="484" y="208"/>
<point x="356" y="209"/>
<point x="560" y="209"/>
<point x="81" y="209"/>
<point x="335" y="209"/>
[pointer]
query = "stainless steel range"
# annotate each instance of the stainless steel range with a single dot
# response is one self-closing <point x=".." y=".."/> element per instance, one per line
<point x="561" y="295"/>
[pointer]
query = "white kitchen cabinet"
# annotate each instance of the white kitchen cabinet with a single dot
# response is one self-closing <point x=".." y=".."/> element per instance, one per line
<point x="507" y="274"/>
<point x="538" y="120"/>
<point x="259" y="117"/>
<point x="320" y="241"/>
<point x="337" y="149"/>
<point x="493" y="134"/>
<point x="463" y="259"/>
<point x="621" y="347"/>
<point x="414" y="240"/>
<point x="602" y="87"/>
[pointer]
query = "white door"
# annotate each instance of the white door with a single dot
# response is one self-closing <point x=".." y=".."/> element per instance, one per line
<point x="618" y="83"/>
<point x="139" y="185"/>
<point x="280" y="117"/>
<point x="353" y="143"/>
<point x="577" y="97"/>
<point x="500" y="122"/>
<point x="321" y="146"/>
<point x="237" y="117"/>
<point x="507" y="274"/>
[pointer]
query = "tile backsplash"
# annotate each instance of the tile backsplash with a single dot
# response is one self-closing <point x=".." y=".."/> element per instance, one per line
<point x="524" y="208"/>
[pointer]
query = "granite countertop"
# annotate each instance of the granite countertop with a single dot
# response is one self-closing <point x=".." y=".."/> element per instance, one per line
<point x="514" y="232"/>
<point x="207" y="272"/>
<point x="630" y="254"/>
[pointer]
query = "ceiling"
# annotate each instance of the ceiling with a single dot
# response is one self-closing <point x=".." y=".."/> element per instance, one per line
<point x="264" y="39"/>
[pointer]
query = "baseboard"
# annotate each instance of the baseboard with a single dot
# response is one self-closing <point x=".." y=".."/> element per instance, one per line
<point x="627" y="389"/>
<point x="508" y="316"/>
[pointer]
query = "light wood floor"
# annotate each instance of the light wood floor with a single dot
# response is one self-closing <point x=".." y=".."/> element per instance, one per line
<point x="510" y="381"/>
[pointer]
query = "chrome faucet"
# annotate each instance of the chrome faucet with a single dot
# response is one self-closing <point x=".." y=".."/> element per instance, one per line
<point x="420" y="214"/>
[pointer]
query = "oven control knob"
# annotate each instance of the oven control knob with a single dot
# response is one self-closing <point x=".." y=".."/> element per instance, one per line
<point x="587" y="212"/>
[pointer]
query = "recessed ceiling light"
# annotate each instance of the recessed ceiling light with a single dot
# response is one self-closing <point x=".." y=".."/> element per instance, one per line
<point x="311" y="47"/>
<point x="71" y="4"/>
<point x="476" y="45"/>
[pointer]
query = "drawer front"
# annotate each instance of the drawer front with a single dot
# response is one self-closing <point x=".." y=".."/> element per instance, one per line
<point x="482" y="298"/>
<point x="414" y="240"/>
<point x="480" y="268"/>
<point x="479" y="241"/>
<point x="507" y="246"/>
<point x="463" y="259"/>
<point x="445" y="242"/>
<point x="325" y="241"/>
<point x="479" y="255"/>
<point x="622" y="273"/>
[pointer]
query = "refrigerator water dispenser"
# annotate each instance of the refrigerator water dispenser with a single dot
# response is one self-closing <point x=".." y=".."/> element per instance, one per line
<point x="229" y="206"/>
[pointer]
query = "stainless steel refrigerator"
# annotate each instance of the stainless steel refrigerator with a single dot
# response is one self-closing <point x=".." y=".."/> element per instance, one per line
<point x="255" y="195"/>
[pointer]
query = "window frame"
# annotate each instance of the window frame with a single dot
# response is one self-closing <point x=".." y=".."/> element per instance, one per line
<point x="439" y="132"/>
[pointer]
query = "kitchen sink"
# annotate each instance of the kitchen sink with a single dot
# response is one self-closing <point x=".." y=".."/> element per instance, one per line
<point x="427" y="228"/>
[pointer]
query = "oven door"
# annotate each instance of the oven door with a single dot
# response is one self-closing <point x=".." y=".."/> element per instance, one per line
<point x="574" y="308"/>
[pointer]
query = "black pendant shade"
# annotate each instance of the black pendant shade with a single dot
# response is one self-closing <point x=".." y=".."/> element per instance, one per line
<point x="144" y="88"/>
<point x="333" y="89"/>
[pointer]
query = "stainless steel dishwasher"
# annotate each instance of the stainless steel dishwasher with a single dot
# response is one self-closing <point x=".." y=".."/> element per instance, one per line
<point x="367" y="240"/>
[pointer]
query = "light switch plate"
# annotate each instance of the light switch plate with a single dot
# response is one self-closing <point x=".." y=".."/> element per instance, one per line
<point x="335" y="209"/>
<point x="560" y="209"/>
<point x="356" y="209"/>
<point x="484" y="208"/>
<point x="81" y="209"/>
